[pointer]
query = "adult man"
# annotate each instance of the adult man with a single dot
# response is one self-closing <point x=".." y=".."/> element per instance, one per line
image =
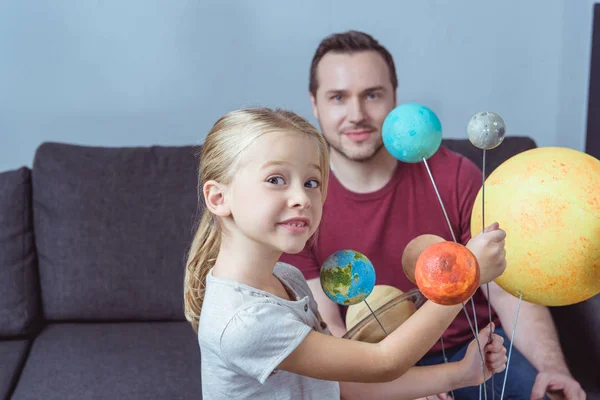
<point x="376" y="205"/>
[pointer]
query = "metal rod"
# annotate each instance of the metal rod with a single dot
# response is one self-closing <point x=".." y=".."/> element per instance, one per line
<point x="377" y="319"/>
<point x="477" y="336"/>
<point x="483" y="193"/>
<point x="454" y="238"/>
<point x="475" y="332"/>
<point x="512" y="339"/>
<point x="445" y="360"/>
<point x="487" y="285"/>
<point x="439" y="198"/>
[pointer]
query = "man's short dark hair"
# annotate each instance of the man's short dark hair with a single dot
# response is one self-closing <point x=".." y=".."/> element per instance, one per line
<point x="349" y="42"/>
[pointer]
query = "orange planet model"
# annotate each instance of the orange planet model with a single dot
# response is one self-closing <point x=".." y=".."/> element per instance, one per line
<point x="447" y="273"/>
<point x="413" y="250"/>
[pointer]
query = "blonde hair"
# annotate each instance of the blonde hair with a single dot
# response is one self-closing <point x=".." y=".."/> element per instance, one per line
<point x="219" y="157"/>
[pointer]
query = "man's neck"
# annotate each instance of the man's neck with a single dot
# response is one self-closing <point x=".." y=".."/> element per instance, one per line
<point x="363" y="176"/>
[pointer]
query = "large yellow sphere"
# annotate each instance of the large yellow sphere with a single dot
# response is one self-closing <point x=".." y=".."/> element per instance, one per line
<point x="548" y="202"/>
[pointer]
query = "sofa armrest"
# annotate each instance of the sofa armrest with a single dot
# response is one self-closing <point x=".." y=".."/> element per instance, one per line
<point x="13" y="354"/>
<point x="20" y="310"/>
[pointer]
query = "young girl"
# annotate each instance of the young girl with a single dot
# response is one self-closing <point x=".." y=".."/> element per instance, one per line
<point x="263" y="180"/>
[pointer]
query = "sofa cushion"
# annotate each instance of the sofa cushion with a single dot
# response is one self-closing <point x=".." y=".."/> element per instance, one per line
<point x="12" y="354"/>
<point x="510" y="146"/>
<point x="152" y="360"/>
<point x="19" y="299"/>
<point x="112" y="229"/>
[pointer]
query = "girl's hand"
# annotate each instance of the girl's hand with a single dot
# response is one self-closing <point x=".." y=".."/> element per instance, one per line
<point x="494" y="354"/>
<point x="441" y="396"/>
<point x="488" y="248"/>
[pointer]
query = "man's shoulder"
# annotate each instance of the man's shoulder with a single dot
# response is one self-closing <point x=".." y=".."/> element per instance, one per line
<point x="453" y="162"/>
<point x="449" y="155"/>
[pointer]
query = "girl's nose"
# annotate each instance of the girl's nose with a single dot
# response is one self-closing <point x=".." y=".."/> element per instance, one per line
<point x="298" y="198"/>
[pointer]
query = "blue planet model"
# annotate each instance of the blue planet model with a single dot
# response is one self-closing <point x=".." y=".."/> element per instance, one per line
<point x="347" y="277"/>
<point x="412" y="132"/>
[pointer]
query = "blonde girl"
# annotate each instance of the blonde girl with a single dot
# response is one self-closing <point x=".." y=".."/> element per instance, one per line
<point x="262" y="183"/>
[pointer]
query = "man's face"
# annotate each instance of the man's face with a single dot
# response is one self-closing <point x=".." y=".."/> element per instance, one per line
<point x="353" y="98"/>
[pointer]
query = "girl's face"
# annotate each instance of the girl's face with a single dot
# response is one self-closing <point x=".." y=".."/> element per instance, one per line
<point x="275" y="197"/>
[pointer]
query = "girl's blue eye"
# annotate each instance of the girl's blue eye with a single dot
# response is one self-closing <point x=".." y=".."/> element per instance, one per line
<point x="312" y="184"/>
<point x="276" y="180"/>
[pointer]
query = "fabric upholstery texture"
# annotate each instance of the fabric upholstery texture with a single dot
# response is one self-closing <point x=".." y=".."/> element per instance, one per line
<point x="19" y="292"/>
<point x="93" y="246"/>
<point x="112" y="229"/>
<point x="150" y="360"/>
<point x="12" y="357"/>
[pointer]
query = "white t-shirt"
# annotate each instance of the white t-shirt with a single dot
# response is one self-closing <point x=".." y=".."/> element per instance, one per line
<point x="244" y="334"/>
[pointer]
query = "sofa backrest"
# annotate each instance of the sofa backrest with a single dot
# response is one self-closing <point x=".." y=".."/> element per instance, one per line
<point x="113" y="226"/>
<point x="511" y="146"/>
<point x="19" y="291"/>
<point x="112" y="229"/>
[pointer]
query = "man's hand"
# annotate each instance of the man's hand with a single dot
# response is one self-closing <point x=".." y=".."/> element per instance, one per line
<point x="557" y="385"/>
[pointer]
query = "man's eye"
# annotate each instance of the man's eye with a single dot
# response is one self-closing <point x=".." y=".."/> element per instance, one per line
<point x="276" y="180"/>
<point x="313" y="184"/>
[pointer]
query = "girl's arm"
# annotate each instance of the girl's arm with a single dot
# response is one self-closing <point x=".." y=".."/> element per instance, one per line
<point x="417" y="382"/>
<point x="329" y="358"/>
<point x="420" y="382"/>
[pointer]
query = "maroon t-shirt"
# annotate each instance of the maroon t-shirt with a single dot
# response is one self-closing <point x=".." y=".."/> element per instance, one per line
<point x="380" y="224"/>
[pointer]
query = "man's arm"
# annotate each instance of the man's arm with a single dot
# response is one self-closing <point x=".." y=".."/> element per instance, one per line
<point x="540" y="344"/>
<point x="537" y="339"/>
<point x="328" y="309"/>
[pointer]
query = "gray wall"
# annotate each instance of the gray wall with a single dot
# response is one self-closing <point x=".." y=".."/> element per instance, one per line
<point x="142" y="72"/>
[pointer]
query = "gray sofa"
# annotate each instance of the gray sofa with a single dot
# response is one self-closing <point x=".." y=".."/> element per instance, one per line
<point x="92" y="247"/>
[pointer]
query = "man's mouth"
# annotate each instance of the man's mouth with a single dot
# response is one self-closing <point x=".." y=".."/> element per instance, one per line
<point x="358" y="135"/>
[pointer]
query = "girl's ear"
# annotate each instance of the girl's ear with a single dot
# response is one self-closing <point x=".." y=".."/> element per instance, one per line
<point x="214" y="197"/>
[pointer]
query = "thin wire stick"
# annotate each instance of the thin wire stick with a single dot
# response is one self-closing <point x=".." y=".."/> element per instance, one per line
<point x="475" y="333"/>
<point x="454" y="238"/>
<point x="487" y="285"/>
<point x="377" y="319"/>
<point x="439" y="198"/>
<point x="512" y="340"/>
<point x="483" y="193"/>
<point x="477" y="336"/>
<point x="445" y="360"/>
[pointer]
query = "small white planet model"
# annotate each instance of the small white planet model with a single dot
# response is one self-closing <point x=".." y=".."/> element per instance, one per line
<point x="486" y="130"/>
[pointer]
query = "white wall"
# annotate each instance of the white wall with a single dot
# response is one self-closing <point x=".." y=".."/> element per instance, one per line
<point x="141" y="72"/>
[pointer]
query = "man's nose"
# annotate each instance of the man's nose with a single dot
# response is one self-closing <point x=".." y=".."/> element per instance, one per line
<point x="356" y="113"/>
